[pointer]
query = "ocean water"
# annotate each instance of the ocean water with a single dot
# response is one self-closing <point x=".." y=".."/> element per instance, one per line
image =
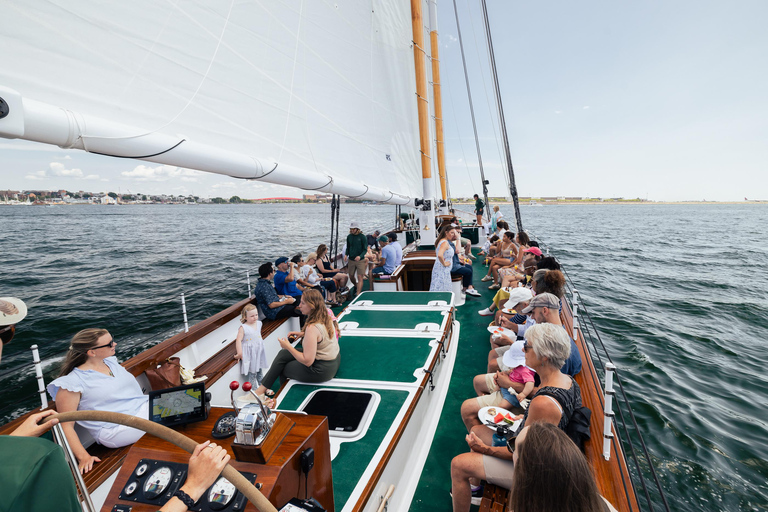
<point x="678" y="293"/>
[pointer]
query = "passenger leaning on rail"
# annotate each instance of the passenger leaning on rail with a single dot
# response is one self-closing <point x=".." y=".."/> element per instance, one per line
<point x="546" y="349"/>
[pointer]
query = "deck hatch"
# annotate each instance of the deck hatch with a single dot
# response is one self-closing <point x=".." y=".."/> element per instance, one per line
<point x="347" y="410"/>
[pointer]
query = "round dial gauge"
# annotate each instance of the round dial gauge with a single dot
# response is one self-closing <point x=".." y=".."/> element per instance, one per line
<point x="131" y="488"/>
<point x="157" y="482"/>
<point x="141" y="469"/>
<point x="221" y="493"/>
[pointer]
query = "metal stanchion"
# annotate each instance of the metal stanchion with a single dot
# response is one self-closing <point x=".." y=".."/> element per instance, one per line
<point x="609" y="414"/>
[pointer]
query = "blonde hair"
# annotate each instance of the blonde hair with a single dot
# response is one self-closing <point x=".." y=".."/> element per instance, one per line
<point x="319" y="313"/>
<point x="244" y="312"/>
<point x="81" y="343"/>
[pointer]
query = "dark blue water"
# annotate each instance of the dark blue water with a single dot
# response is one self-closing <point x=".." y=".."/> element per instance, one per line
<point x="678" y="294"/>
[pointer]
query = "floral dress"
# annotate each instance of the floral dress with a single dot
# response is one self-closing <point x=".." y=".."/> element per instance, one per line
<point x="441" y="275"/>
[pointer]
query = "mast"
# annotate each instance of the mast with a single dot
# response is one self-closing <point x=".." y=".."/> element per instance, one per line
<point x="426" y="206"/>
<point x="438" y="99"/>
<point x="512" y="186"/>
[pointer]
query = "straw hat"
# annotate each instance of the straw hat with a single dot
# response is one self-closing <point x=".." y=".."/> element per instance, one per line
<point x="12" y="310"/>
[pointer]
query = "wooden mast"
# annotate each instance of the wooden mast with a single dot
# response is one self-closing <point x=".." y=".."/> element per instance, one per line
<point x="427" y="222"/>
<point x="437" y="98"/>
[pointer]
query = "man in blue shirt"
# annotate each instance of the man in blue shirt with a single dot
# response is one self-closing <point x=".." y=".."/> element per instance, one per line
<point x="285" y="278"/>
<point x="388" y="261"/>
<point x="545" y="308"/>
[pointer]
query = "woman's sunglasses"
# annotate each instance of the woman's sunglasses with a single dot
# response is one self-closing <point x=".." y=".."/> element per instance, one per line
<point x="110" y="345"/>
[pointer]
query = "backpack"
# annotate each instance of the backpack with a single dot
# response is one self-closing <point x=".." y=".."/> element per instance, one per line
<point x="577" y="427"/>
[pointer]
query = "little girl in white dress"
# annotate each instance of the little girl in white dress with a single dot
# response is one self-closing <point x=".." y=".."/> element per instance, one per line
<point x="250" y="346"/>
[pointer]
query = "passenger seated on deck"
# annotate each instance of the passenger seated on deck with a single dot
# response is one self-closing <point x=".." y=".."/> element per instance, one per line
<point x="286" y="278"/>
<point x="323" y="264"/>
<point x="319" y="358"/>
<point x="546" y="349"/>
<point x="273" y="306"/>
<point x="552" y="474"/>
<point x="505" y="389"/>
<point x="92" y="379"/>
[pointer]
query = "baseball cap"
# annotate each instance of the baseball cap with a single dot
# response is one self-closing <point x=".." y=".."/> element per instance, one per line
<point x="354" y="225"/>
<point x="534" y="250"/>
<point x="543" y="300"/>
<point x="383" y="238"/>
<point x="517" y="295"/>
<point x="281" y="259"/>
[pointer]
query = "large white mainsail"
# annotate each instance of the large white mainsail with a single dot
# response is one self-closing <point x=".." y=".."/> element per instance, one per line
<point x="315" y="94"/>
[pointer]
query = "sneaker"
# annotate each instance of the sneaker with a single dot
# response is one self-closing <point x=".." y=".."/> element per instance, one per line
<point x="472" y="292"/>
<point x="485" y="312"/>
<point x="477" y="495"/>
<point x="487" y="278"/>
<point x="494" y="287"/>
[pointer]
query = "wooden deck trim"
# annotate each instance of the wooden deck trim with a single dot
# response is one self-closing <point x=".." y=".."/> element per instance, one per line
<point x="612" y="476"/>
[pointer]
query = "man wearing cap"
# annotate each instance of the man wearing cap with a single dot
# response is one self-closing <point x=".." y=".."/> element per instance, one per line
<point x="285" y="278"/>
<point x="357" y="246"/>
<point x="373" y="240"/>
<point x="545" y="308"/>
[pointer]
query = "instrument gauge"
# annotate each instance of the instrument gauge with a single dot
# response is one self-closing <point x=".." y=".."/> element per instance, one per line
<point x="131" y="488"/>
<point x="157" y="482"/>
<point x="221" y="494"/>
<point x="142" y="469"/>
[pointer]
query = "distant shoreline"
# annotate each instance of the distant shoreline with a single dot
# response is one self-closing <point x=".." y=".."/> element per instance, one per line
<point x="523" y="203"/>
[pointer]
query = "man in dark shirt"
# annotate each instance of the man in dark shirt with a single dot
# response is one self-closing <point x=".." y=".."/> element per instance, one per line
<point x="357" y="247"/>
<point x="479" y="205"/>
<point x="285" y="278"/>
<point x="273" y="305"/>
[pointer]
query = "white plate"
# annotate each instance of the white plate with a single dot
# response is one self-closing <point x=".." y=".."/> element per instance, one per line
<point x="483" y="416"/>
<point x="509" y="333"/>
<point x="508" y="311"/>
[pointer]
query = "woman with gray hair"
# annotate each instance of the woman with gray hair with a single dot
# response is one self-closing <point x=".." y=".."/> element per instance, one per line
<point x="546" y="347"/>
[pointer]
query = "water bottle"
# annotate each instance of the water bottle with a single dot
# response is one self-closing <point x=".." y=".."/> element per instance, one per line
<point x="500" y="436"/>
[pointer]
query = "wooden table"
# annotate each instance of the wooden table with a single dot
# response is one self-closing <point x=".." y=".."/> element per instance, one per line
<point x="281" y="476"/>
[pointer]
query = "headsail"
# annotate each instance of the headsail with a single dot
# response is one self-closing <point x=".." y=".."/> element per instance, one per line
<point x="323" y="90"/>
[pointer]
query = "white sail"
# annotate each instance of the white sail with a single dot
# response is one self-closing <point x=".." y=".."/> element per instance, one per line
<point x="312" y="93"/>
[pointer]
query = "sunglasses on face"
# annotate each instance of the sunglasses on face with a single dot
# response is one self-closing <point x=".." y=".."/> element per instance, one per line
<point x="110" y="345"/>
<point x="526" y="346"/>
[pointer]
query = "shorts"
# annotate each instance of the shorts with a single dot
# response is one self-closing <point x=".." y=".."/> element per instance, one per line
<point x="498" y="471"/>
<point x="357" y="269"/>
<point x="116" y="436"/>
<point x="494" y="399"/>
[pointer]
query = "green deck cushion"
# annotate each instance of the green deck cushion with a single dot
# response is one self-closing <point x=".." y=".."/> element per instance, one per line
<point x="403" y="298"/>
<point x="368" y="319"/>
<point x="382" y="358"/>
<point x="353" y="458"/>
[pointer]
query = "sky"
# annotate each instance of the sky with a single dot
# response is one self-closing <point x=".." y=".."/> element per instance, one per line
<point x="660" y="100"/>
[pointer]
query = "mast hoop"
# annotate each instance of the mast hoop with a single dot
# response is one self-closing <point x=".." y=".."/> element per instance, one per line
<point x="137" y="157"/>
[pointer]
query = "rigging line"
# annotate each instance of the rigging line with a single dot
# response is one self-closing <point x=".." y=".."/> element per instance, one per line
<point x="644" y="448"/>
<point x="138" y="157"/>
<point x="485" y="89"/>
<point x="197" y="90"/>
<point x="471" y="110"/>
<point x="505" y="138"/>
<point x="293" y="77"/>
<point x="458" y="133"/>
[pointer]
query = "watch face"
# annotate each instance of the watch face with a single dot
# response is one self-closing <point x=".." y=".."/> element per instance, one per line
<point x="157" y="482"/>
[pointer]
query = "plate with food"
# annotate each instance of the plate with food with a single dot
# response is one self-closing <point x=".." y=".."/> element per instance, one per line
<point x="495" y="329"/>
<point x="509" y="311"/>
<point x="494" y="415"/>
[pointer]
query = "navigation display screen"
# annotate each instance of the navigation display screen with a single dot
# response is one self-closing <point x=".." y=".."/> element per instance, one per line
<point x="178" y="406"/>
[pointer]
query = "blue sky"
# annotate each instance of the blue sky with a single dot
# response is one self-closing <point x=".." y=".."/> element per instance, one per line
<point x="664" y="100"/>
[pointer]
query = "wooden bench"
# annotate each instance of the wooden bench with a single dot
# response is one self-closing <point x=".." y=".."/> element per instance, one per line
<point x="494" y="499"/>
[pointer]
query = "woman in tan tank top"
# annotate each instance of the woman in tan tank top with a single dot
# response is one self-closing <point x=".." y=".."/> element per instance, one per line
<point x="319" y="358"/>
<point x="507" y="255"/>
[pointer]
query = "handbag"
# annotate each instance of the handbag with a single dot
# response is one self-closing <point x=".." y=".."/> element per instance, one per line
<point x="166" y="374"/>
